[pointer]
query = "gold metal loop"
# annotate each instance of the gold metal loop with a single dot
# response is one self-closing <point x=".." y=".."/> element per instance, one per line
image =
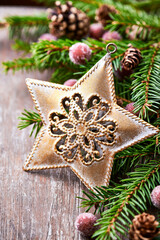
<point x="112" y="45"/>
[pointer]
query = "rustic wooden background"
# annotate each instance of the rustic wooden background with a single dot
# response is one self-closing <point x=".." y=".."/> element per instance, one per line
<point x="33" y="206"/>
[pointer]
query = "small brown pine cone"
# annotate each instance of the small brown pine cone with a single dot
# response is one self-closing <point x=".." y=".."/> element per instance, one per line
<point x="131" y="58"/>
<point x="68" y="21"/>
<point x="102" y="14"/>
<point x="144" y="227"/>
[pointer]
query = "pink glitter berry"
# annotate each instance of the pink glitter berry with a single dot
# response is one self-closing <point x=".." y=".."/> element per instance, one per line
<point x="79" y="53"/>
<point x="47" y="36"/>
<point x="70" y="82"/>
<point x="111" y="35"/>
<point x="85" y="223"/>
<point x="96" y="30"/>
<point x="155" y="196"/>
<point x="130" y="107"/>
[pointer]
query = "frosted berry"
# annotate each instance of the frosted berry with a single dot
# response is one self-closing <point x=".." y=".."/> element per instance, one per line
<point x="70" y="82"/>
<point x="47" y="36"/>
<point x="85" y="223"/>
<point x="96" y="30"/>
<point x="130" y="107"/>
<point x="111" y="35"/>
<point x="79" y="53"/>
<point x="155" y="196"/>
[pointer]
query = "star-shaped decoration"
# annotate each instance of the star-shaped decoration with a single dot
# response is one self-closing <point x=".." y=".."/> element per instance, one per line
<point x="83" y="127"/>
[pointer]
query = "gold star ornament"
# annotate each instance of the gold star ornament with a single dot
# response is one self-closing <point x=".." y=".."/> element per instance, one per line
<point x="83" y="127"/>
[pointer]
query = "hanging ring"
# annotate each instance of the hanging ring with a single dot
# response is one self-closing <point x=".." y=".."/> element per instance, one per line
<point x="113" y="45"/>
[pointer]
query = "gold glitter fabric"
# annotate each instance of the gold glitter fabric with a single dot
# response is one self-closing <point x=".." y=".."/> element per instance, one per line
<point x="83" y="127"/>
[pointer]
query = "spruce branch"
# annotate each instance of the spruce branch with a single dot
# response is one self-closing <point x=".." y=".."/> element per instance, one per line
<point x="30" y="27"/>
<point x="148" y="24"/>
<point x="157" y="122"/>
<point x="130" y="196"/>
<point x="145" y="90"/>
<point x="27" y="27"/>
<point x="123" y="200"/>
<point x="20" y="45"/>
<point x="148" y="77"/>
<point x="30" y="118"/>
<point x="19" y="64"/>
<point x="48" y="53"/>
<point x="147" y="5"/>
<point x="131" y="157"/>
<point x="124" y="162"/>
<point x="144" y="80"/>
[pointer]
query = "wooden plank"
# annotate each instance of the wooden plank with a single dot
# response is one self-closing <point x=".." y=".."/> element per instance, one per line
<point x="33" y="206"/>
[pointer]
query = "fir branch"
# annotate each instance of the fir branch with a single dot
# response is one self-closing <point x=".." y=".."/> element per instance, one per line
<point x="48" y="53"/>
<point x="133" y="192"/>
<point x="148" y="77"/>
<point x="145" y="90"/>
<point x="97" y="199"/>
<point x="148" y="25"/>
<point x="30" y="118"/>
<point x="27" y="27"/>
<point x="20" y="45"/>
<point x="19" y="64"/>
<point x="124" y="162"/>
<point x="147" y="5"/>
<point x="122" y="198"/>
<point x="157" y="122"/>
<point x="131" y="157"/>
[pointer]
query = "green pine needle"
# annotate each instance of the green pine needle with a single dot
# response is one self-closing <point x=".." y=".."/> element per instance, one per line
<point x="27" y="27"/>
<point x="122" y="201"/>
<point x="30" y="118"/>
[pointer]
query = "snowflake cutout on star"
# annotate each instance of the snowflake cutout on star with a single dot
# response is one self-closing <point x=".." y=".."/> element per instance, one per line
<point x="82" y="129"/>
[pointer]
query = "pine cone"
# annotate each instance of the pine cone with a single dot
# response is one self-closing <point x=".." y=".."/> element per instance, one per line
<point x="68" y="21"/>
<point x="131" y="58"/>
<point x="102" y="14"/>
<point x="144" y="227"/>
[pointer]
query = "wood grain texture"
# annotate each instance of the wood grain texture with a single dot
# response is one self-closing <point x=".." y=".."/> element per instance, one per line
<point x="33" y="206"/>
<point x="39" y="205"/>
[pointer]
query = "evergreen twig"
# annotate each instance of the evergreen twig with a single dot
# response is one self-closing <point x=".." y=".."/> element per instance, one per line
<point x="20" y="45"/>
<point x="145" y="91"/>
<point x="123" y="200"/>
<point x="27" y="27"/>
<point x="30" y="118"/>
<point x="20" y="64"/>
